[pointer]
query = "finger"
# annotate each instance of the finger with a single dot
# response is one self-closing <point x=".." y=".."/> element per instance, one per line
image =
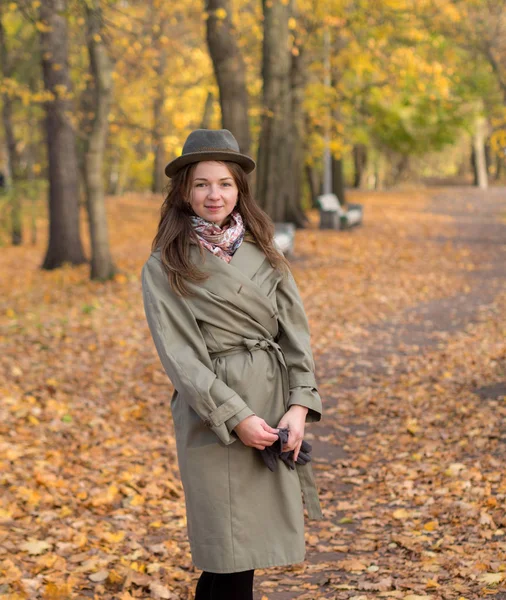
<point x="296" y="451"/>
<point x="268" y="428"/>
<point x="259" y="447"/>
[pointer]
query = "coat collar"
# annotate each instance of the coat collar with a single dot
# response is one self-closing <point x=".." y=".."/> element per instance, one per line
<point x="233" y="282"/>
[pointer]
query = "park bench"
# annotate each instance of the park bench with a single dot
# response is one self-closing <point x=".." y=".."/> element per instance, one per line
<point x="284" y="237"/>
<point x="334" y="216"/>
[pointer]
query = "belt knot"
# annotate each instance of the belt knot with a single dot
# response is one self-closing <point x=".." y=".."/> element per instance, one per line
<point x="262" y="344"/>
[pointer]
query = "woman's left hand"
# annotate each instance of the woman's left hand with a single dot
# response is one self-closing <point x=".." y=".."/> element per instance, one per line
<point x="294" y="420"/>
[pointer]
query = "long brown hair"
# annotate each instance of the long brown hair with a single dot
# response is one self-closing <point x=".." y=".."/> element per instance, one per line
<point x="176" y="234"/>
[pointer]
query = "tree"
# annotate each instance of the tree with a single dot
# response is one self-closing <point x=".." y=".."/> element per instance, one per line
<point x="99" y="98"/>
<point x="229" y="70"/>
<point x="11" y="154"/>
<point x="64" y="239"/>
<point x="280" y="166"/>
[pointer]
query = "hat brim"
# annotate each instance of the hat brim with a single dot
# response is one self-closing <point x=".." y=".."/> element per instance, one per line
<point x="247" y="163"/>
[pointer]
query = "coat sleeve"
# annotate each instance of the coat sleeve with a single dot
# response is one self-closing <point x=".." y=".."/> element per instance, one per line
<point x="295" y="342"/>
<point x="184" y="356"/>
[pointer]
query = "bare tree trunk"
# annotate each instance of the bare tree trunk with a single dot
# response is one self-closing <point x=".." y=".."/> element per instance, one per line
<point x="102" y="266"/>
<point x="207" y="115"/>
<point x="230" y="71"/>
<point x="294" y="211"/>
<point x="11" y="159"/>
<point x="479" y="153"/>
<point x="158" y="180"/>
<point x="360" y="163"/>
<point x="280" y="158"/>
<point x="338" y="179"/>
<point x="314" y="183"/>
<point x="159" y="162"/>
<point x="64" y="238"/>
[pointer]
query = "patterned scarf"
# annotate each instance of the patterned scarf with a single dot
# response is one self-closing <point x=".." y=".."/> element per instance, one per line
<point x="221" y="241"/>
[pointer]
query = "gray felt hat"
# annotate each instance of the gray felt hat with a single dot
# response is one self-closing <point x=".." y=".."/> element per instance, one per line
<point x="210" y="144"/>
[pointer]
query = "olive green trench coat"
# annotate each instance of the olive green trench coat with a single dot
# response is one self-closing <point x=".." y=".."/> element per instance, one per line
<point x="239" y="345"/>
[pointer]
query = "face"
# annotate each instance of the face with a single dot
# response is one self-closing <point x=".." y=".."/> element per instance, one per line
<point x="214" y="192"/>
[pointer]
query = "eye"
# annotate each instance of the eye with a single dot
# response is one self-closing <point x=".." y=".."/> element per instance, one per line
<point x="200" y="184"/>
<point x="227" y="184"/>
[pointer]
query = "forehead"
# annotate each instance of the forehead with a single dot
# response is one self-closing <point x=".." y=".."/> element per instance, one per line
<point x="211" y="169"/>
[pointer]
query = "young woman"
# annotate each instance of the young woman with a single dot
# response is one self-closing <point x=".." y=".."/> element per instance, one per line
<point x="231" y="332"/>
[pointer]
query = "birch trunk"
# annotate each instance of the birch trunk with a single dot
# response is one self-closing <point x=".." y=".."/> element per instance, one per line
<point x="480" y="134"/>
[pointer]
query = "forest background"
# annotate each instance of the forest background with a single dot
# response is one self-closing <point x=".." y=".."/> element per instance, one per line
<point x="98" y="95"/>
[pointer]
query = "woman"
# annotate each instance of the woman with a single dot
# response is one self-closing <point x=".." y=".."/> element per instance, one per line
<point x="232" y="335"/>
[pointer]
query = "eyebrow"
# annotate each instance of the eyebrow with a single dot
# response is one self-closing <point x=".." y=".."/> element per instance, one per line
<point x="205" y="179"/>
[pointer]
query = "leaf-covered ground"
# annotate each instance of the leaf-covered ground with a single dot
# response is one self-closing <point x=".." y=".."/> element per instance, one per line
<point x="408" y="316"/>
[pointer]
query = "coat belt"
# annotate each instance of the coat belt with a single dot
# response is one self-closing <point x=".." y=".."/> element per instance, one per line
<point x="304" y="472"/>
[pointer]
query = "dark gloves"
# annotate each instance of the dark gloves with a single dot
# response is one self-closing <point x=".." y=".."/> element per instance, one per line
<point x="271" y="454"/>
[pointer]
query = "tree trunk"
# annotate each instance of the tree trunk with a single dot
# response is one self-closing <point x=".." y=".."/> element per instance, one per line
<point x="280" y="159"/>
<point x="360" y="163"/>
<point x="314" y="184"/>
<point x="102" y="266"/>
<point x="64" y="238"/>
<point x="230" y="71"/>
<point x="11" y="158"/>
<point x="158" y="181"/>
<point x="207" y="115"/>
<point x="338" y="180"/>
<point x="479" y="153"/>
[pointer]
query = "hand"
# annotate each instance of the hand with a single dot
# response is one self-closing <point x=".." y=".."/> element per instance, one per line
<point x="294" y="420"/>
<point x="256" y="433"/>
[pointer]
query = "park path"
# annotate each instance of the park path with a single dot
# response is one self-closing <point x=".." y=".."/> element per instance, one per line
<point x="359" y="553"/>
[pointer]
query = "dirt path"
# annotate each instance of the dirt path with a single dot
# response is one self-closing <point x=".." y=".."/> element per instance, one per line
<point x="360" y="551"/>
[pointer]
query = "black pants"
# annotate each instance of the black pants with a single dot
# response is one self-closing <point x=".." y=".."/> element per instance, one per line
<point x="225" y="586"/>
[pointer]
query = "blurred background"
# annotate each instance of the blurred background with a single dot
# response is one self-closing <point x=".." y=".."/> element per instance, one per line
<point x="382" y="93"/>
<point x="398" y="108"/>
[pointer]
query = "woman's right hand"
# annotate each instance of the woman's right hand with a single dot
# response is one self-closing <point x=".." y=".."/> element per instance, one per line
<point x="256" y="433"/>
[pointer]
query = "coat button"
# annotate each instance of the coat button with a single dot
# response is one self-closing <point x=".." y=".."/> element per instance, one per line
<point x="207" y="422"/>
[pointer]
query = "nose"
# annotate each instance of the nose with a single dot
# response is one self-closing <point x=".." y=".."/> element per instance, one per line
<point x="213" y="193"/>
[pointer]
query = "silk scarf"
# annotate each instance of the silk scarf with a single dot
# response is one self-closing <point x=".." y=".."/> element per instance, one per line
<point x="221" y="241"/>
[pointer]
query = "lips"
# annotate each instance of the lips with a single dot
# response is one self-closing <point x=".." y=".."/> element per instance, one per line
<point x="213" y="208"/>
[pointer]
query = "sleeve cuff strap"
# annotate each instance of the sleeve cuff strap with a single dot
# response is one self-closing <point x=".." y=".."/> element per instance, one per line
<point x="227" y="410"/>
<point x="302" y="380"/>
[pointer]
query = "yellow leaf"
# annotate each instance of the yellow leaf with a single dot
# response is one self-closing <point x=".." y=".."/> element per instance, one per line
<point x="220" y="13"/>
<point x="431" y="525"/>
<point x="114" y="538"/>
<point x="401" y="513"/>
<point x="137" y="500"/>
<point x="412" y="426"/>
<point x="35" y="547"/>
<point x="57" y="591"/>
<point x="492" y="578"/>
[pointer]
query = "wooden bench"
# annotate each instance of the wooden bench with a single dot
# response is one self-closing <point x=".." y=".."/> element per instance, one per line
<point x="334" y="216"/>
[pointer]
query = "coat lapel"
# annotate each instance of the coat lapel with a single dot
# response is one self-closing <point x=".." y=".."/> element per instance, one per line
<point x="233" y="282"/>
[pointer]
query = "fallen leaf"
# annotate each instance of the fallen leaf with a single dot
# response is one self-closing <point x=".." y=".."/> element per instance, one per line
<point x="35" y="547"/>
